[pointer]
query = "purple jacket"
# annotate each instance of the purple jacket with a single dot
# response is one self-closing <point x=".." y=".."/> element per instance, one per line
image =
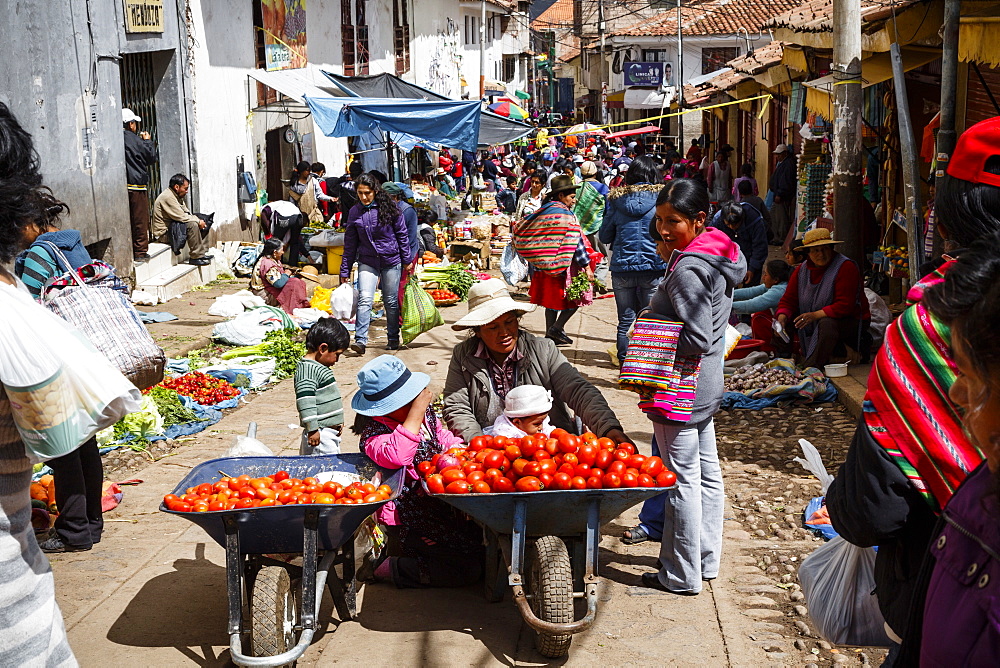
<point x="369" y="243"/>
<point x="962" y="611"/>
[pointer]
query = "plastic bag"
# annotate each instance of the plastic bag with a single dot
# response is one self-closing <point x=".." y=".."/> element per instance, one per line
<point x="344" y="302"/>
<point x="244" y="446"/>
<point x="838" y="580"/>
<point x="814" y="464"/>
<point x="230" y="306"/>
<point x="419" y="312"/>
<point x="321" y="299"/>
<point x="249" y="328"/>
<point x="733" y="337"/>
<point x="61" y="390"/>
<point x="513" y="267"/>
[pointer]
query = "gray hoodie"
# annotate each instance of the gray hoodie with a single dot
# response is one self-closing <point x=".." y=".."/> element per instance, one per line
<point x="697" y="290"/>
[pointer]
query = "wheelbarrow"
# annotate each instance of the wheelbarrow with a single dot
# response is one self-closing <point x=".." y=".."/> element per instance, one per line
<point x="283" y="599"/>
<point x="526" y="548"/>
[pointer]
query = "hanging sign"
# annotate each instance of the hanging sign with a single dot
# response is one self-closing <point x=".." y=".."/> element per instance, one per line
<point x="143" y="16"/>
<point x="284" y="34"/>
<point x="643" y="74"/>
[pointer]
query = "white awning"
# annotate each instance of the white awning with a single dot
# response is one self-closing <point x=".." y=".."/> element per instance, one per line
<point x="296" y="84"/>
<point x="648" y="98"/>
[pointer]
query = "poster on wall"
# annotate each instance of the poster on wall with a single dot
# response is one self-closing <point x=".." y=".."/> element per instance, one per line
<point x="284" y="34"/>
<point x="643" y="74"/>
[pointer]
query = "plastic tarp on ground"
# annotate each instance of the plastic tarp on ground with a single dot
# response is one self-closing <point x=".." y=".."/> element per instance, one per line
<point x="409" y="122"/>
<point x="494" y="129"/>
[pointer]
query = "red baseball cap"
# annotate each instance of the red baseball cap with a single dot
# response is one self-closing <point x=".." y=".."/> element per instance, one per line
<point x="975" y="146"/>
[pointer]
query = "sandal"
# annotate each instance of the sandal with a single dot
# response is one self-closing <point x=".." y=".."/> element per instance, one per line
<point x="652" y="580"/>
<point x="636" y="535"/>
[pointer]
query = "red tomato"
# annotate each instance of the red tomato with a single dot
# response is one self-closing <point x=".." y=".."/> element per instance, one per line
<point x="595" y="482"/>
<point x="587" y="454"/>
<point x="528" y="446"/>
<point x="588" y="437"/>
<point x="470" y="467"/>
<point x="627" y="446"/>
<point x="568" y="469"/>
<point x="495" y="460"/>
<point x="646" y="480"/>
<point x="541" y="454"/>
<point x="582" y="470"/>
<point x="530" y="468"/>
<point x="481" y="487"/>
<point x="636" y="461"/>
<point x="611" y="480"/>
<point x="492" y="475"/>
<point x="563" y="481"/>
<point x="457" y="487"/>
<point x="285" y="497"/>
<point x="546" y="479"/>
<point x="617" y="466"/>
<point x="170" y="498"/>
<point x="480" y="443"/>
<point x="204" y="489"/>
<point x="451" y="475"/>
<point x="622" y="454"/>
<point x="518" y="465"/>
<point x="569" y="443"/>
<point x="552" y="447"/>
<point x="652" y="466"/>
<point x="248" y="492"/>
<point x="528" y="484"/>
<point x="475" y="476"/>
<point x="217" y="505"/>
<point x="571" y="458"/>
<point x="578" y="482"/>
<point x="603" y="459"/>
<point x="511" y="452"/>
<point x="325" y="498"/>
<point x="605" y="443"/>
<point x="244" y="503"/>
<point x="666" y="478"/>
<point x="547" y="466"/>
<point x="435" y="484"/>
<point x="371" y="498"/>
<point x="501" y="442"/>
<point x="630" y="480"/>
<point x="266" y="493"/>
<point x="425" y="467"/>
<point x="503" y="485"/>
<point x="557" y="432"/>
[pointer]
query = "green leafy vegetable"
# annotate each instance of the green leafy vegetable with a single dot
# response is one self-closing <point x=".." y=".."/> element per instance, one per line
<point x="454" y="277"/>
<point x="171" y="409"/>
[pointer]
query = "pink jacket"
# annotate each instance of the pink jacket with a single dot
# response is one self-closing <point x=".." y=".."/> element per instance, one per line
<point x="396" y="451"/>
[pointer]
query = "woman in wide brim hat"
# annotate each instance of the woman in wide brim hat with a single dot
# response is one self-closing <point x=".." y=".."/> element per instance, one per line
<point x="499" y="356"/>
<point x="553" y="244"/>
<point x="825" y="301"/>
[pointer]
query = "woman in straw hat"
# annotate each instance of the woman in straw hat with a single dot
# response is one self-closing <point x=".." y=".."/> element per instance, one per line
<point x="829" y="309"/>
<point x="500" y="356"/>
<point x="552" y="242"/>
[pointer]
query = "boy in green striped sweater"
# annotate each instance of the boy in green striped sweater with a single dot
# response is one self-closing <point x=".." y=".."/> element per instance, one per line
<point x="317" y="397"/>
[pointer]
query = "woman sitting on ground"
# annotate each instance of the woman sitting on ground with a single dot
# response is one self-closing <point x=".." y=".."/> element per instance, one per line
<point x="826" y="302"/>
<point x="500" y="356"/>
<point x="276" y="286"/>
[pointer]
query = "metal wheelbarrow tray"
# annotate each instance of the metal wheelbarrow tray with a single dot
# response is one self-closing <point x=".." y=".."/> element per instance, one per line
<point x="513" y="520"/>
<point x="251" y="533"/>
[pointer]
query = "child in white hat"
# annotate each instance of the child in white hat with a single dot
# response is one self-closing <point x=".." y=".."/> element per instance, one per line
<point x="525" y="413"/>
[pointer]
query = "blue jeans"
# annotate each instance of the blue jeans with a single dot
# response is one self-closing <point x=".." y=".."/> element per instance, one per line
<point x="633" y="291"/>
<point x="689" y="518"/>
<point x="368" y="280"/>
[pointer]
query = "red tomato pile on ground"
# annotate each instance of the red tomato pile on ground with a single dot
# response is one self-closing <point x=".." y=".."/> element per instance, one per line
<point x="206" y="390"/>
<point x="277" y="489"/>
<point x="532" y="463"/>
<point x="442" y="295"/>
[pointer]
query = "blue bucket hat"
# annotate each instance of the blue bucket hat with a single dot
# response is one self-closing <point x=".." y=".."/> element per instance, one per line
<point x="385" y="384"/>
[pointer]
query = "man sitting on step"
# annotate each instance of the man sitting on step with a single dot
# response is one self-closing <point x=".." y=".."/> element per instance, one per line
<point x="170" y="208"/>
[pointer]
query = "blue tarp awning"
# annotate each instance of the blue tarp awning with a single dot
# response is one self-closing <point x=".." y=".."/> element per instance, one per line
<point x="409" y="122"/>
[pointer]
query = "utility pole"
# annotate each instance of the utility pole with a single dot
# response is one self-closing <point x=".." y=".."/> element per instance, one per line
<point x="679" y="79"/>
<point x="847" y="127"/>
<point x="947" y="135"/>
<point x="911" y="166"/>
<point x="601" y="88"/>
<point x="482" y="49"/>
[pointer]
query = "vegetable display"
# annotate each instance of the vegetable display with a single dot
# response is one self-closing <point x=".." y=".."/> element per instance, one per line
<point x="455" y="277"/>
<point x="579" y="286"/>
<point x="562" y="461"/>
<point x="201" y="387"/>
<point x="279" y="344"/>
<point x="171" y="409"/>
<point x="277" y="489"/>
<point x="759" y="377"/>
<point x="442" y="295"/>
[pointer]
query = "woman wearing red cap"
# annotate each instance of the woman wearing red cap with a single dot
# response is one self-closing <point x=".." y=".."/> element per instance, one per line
<point x="911" y="452"/>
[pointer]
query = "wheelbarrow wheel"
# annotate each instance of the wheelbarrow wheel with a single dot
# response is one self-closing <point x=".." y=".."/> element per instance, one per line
<point x="550" y="582"/>
<point x="274" y="612"/>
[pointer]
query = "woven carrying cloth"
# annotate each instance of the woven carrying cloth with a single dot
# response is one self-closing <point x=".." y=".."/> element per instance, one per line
<point x="667" y="382"/>
<point x="548" y="238"/>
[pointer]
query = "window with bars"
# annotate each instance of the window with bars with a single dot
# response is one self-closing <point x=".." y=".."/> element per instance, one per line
<point x="347" y="41"/>
<point x="654" y="55"/>
<point x="715" y="57"/>
<point x="401" y="35"/>
<point x="748" y="136"/>
<point x="361" y="21"/>
<point x="508" y="68"/>
<point x="471" y="29"/>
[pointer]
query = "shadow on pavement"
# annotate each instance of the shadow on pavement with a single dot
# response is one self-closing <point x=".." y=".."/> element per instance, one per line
<point x="184" y="609"/>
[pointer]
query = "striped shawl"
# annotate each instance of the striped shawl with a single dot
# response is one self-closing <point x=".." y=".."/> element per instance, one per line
<point x="548" y="238"/>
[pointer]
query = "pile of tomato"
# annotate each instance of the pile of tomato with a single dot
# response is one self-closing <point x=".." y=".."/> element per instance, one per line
<point x="532" y="463"/>
<point x="442" y="295"/>
<point x="206" y="390"/>
<point x="277" y="489"/>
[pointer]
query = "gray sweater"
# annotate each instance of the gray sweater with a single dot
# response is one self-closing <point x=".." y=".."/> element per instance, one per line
<point x="698" y="291"/>
<point x="468" y="388"/>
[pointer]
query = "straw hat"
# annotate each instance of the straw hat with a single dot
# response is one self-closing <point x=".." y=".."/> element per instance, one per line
<point x="819" y="236"/>
<point x="488" y="300"/>
<point x="310" y="273"/>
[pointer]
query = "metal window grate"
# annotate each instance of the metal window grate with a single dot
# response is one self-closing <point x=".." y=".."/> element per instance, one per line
<point x="139" y="95"/>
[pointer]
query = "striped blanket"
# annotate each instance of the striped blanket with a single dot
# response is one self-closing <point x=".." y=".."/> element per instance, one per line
<point x="907" y="409"/>
<point x="548" y="238"/>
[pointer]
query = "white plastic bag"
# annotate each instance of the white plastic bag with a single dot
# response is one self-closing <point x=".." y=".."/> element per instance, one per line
<point x="344" y="302"/>
<point x="814" y="464"/>
<point x="229" y="306"/>
<point x="513" y="267"/>
<point x="244" y="446"/>
<point x="260" y="368"/>
<point x="61" y="390"/>
<point x="838" y="580"/>
<point x="247" y="329"/>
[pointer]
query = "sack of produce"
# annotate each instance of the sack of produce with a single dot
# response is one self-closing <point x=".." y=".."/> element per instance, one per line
<point x="61" y="390"/>
<point x="419" y="312"/>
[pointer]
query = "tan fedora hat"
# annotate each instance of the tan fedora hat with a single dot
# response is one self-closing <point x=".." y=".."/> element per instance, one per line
<point x="819" y="236"/>
<point x="488" y="300"/>
<point x="310" y="273"/>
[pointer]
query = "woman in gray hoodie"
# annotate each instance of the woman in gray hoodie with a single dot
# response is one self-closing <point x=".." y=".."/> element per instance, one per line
<point x="703" y="267"/>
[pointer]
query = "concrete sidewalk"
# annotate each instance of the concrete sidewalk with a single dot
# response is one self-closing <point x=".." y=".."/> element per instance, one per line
<point x="153" y="592"/>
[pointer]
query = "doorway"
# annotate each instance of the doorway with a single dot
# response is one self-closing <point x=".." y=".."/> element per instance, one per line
<point x="140" y="81"/>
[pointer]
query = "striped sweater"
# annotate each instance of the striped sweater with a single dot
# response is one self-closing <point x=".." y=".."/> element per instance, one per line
<point x="317" y="396"/>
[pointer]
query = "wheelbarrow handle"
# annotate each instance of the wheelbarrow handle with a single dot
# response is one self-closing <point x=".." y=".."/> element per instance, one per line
<point x="553" y="628"/>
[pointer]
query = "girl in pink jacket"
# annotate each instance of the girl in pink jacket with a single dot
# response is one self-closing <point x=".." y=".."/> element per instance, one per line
<point x="436" y="545"/>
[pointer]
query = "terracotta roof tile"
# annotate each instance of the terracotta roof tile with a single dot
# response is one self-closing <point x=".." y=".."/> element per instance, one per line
<point x="560" y="14"/>
<point x="817" y="15"/>
<point x="711" y="17"/>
